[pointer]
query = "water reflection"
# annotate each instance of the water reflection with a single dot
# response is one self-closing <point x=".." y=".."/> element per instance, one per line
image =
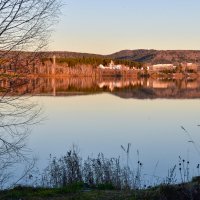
<point x="17" y="115"/>
<point x="125" y="88"/>
<point x="102" y="122"/>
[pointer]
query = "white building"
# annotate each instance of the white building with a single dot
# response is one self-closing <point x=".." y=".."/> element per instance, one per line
<point x="110" y="66"/>
<point x="160" y="67"/>
<point x="101" y="66"/>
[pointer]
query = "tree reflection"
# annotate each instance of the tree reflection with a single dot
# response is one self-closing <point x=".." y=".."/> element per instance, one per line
<point x="17" y="115"/>
<point x="25" y="28"/>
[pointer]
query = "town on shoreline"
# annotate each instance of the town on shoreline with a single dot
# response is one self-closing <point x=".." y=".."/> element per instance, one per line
<point x="96" y="67"/>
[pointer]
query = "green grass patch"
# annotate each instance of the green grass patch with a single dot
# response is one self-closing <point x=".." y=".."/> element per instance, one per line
<point x="77" y="191"/>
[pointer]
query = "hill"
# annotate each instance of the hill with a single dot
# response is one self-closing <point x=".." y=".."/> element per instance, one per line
<point x="155" y="56"/>
<point x="140" y="55"/>
<point x="68" y="54"/>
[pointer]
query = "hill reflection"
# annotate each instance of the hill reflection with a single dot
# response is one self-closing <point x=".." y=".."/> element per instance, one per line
<point x="125" y="88"/>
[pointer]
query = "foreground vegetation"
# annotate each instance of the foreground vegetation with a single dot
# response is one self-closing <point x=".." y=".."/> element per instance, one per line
<point x="72" y="178"/>
<point x="105" y="192"/>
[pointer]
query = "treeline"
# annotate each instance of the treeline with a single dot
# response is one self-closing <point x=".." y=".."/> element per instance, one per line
<point x="94" y="61"/>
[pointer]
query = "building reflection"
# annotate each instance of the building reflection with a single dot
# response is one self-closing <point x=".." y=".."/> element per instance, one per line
<point x="58" y="86"/>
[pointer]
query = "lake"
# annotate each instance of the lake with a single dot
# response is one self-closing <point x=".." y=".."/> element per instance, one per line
<point x="100" y="117"/>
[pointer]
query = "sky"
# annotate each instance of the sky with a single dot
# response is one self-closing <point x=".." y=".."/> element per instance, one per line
<point x="108" y="26"/>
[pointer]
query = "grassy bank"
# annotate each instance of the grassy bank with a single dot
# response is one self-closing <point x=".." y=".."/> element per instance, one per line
<point x="72" y="177"/>
<point x="185" y="191"/>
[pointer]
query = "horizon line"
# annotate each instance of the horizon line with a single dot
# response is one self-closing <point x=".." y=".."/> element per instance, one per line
<point x="137" y="49"/>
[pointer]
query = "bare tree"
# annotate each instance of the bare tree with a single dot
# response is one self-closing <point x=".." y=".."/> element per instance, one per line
<point x="17" y="115"/>
<point x="25" y="27"/>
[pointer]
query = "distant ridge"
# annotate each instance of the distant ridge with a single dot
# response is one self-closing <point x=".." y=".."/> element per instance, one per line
<point x="159" y="56"/>
<point x="140" y="55"/>
<point x="69" y="54"/>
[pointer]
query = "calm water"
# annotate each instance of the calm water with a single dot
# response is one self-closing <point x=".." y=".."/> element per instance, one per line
<point x="102" y="122"/>
<point x="101" y="115"/>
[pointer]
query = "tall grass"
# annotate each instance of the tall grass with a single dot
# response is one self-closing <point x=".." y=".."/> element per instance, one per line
<point x="99" y="172"/>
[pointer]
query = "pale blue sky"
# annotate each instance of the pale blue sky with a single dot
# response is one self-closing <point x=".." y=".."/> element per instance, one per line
<point x="107" y="26"/>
